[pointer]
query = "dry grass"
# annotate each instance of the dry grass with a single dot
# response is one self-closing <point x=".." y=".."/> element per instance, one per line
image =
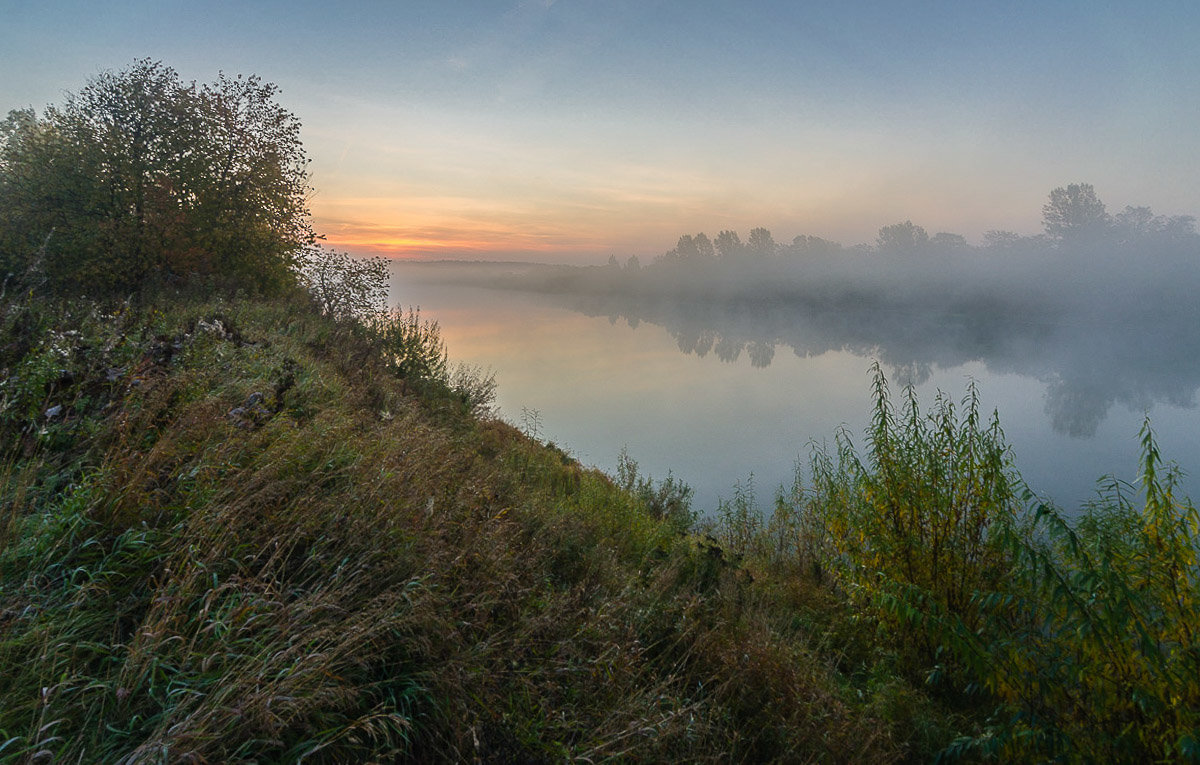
<point x="355" y="568"/>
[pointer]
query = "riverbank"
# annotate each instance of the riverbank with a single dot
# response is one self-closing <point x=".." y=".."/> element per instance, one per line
<point x="242" y="530"/>
<point x="231" y="532"/>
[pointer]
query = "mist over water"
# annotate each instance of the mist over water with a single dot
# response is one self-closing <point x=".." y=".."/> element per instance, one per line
<point x="721" y="359"/>
<point x="717" y="394"/>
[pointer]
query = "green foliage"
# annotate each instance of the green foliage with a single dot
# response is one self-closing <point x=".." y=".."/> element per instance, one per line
<point x="1082" y="639"/>
<point x="139" y="176"/>
<point x="411" y="346"/>
<point x="412" y="349"/>
<point x="923" y="510"/>
<point x="59" y="364"/>
<point x="740" y="523"/>
<point x="1092" y="644"/>
<point x="354" y="291"/>
<point x="669" y="499"/>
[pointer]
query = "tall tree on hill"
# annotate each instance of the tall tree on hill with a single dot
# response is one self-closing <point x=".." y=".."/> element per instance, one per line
<point x="140" y="175"/>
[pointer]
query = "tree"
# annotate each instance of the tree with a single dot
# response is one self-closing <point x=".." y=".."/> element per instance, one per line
<point x="1075" y="214"/>
<point x="140" y="175"/>
<point x="685" y="248"/>
<point x="344" y="287"/>
<point x="42" y="192"/>
<point x="1178" y="227"/>
<point x="704" y="246"/>
<point x="902" y="237"/>
<point x="805" y="244"/>
<point x="1000" y="239"/>
<point x="761" y="243"/>
<point x="728" y="244"/>
<point x="1140" y="223"/>
<point x="945" y="241"/>
<point x="1135" y="221"/>
<point x="690" y="248"/>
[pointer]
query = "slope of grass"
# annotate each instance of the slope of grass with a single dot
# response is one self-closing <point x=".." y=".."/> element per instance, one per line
<point x="236" y="531"/>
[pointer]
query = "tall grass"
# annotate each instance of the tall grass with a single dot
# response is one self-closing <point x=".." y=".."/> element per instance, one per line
<point x="265" y="538"/>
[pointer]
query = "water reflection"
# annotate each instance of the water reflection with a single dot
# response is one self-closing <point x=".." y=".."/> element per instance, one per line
<point x="607" y="373"/>
<point x="1087" y="359"/>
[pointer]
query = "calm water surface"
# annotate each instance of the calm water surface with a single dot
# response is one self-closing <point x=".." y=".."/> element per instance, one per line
<point x="679" y="401"/>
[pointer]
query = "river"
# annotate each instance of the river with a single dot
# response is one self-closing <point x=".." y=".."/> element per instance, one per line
<point x="719" y="402"/>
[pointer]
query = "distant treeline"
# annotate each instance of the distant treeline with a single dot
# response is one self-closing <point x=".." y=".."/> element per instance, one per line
<point x="1073" y="217"/>
<point x="1085" y="257"/>
<point x="1099" y="306"/>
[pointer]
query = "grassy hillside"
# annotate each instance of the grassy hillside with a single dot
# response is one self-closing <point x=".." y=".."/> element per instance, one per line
<point x="232" y="531"/>
<point x="236" y="530"/>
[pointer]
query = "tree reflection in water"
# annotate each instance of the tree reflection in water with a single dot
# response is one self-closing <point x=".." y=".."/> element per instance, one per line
<point x="1087" y="359"/>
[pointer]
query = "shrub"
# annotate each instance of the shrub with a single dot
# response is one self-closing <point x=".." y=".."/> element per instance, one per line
<point x="922" y="512"/>
<point x="1092" y="644"/>
<point x="1084" y="635"/>
<point x="669" y="499"/>
<point x="344" y="287"/>
<point x="412" y="347"/>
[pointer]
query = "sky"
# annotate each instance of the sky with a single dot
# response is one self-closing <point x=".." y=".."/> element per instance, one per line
<point x="568" y="131"/>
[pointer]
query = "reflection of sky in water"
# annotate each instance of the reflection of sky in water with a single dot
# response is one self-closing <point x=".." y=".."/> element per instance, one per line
<point x="599" y="384"/>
